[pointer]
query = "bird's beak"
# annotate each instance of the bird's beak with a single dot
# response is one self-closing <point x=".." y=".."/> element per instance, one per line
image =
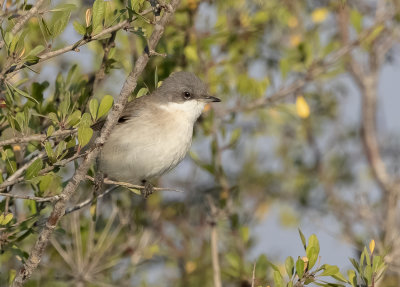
<point x="210" y="99"/>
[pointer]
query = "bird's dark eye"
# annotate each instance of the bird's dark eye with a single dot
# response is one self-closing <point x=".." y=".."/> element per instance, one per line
<point x="187" y="95"/>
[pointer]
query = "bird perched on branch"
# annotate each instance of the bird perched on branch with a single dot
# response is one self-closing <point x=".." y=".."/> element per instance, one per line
<point x="155" y="131"/>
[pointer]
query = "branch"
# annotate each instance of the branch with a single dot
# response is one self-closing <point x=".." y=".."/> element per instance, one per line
<point x="42" y="172"/>
<point x="23" y="19"/>
<point x="59" y="208"/>
<point x="20" y="171"/>
<point x="214" y="244"/>
<point x="74" y="47"/>
<point x="35" y="198"/>
<point x="319" y="67"/>
<point x="116" y="184"/>
<point x="36" y="137"/>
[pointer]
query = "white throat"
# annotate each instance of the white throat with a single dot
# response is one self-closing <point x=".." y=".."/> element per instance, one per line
<point x="190" y="110"/>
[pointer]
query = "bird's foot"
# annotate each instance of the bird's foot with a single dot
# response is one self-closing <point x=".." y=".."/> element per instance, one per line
<point x="98" y="183"/>
<point x="147" y="190"/>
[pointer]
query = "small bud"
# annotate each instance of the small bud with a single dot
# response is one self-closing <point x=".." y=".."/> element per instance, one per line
<point x="88" y="17"/>
<point x="372" y="246"/>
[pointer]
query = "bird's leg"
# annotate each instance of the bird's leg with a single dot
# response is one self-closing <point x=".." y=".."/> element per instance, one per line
<point x="98" y="183"/>
<point x="148" y="188"/>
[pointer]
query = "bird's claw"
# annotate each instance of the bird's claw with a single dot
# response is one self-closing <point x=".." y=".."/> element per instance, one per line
<point x="147" y="190"/>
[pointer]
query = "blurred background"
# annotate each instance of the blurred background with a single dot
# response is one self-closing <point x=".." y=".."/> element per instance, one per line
<point x="307" y="136"/>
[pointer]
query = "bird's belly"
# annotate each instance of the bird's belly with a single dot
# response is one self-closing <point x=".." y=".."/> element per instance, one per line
<point x="144" y="153"/>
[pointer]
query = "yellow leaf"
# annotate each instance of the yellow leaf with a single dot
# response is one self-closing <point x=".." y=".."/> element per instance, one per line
<point x="305" y="260"/>
<point x="136" y="191"/>
<point x="293" y="22"/>
<point x="372" y="246"/>
<point x="16" y="148"/>
<point x="295" y="40"/>
<point x="319" y="15"/>
<point x="190" y="266"/>
<point x="302" y="108"/>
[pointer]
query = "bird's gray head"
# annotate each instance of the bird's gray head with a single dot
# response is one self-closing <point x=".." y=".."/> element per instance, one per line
<point x="184" y="91"/>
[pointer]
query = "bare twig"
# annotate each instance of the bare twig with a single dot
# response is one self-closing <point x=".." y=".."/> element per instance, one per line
<point x="35" y="198"/>
<point x="36" y="137"/>
<point x="214" y="243"/>
<point x="20" y="171"/>
<point x="43" y="171"/>
<point x="367" y="82"/>
<point x="23" y="19"/>
<point x="74" y="47"/>
<point x="116" y="183"/>
<point x="59" y="208"/>
<point x="129" y="185"/>
<point x="319" y="67"/>
<point x="253" y="278"/>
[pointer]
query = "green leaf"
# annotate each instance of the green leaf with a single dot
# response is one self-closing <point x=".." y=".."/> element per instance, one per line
<point x="312" y="255"/>
<point x="284" y="66"/>
<point x="49" y="151"/>
<point x="190" y="53"/>
<point x="60" y="148"/>
<point x="303" y="239"/>
<point x="352" y="278"/>
<point x="59" y="22"/>
<point x="278" y="279"/>
<point x="98" y="16"/>
<point x="312" y="250"/>
<point x="74" y="118"/>
<point x="300" y="267"/>
<point x="329" y="270"/>
<point x="339" y="276"/>
<point x="53" y="117"/>
<point x="22" y="93"/>
<point x="368" y="274"/>
<point x="79" y="28"/>
<point x="355" y="264"/>
<point x="289" y="265"/>
<point x="93" y="107"/>
<point x="35" y="51"/>
<point x="64" y="105"/>
<point x="84" y="135"/>
<point x="105" y="105"/>
<point x="156" y="78"/>
<point x="86" y="120"/>
<point x="356" y="20"/>
<point x="34" y="168"/>
<point x="63" y="7"/>
<point x="142" y="92"/>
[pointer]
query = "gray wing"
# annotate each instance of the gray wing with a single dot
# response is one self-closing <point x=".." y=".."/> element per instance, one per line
<point x="131" y="110"/>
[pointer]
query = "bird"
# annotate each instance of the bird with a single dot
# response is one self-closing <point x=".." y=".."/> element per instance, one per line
<point x="155" y="131"/>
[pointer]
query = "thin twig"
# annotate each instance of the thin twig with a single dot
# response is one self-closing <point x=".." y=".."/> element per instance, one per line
<point x="315" y="70"/>
<point x="20" y="171"/>
<point x="253" y="278"/>
<point x="129" y="185"/>
<point x="89" y="200"/>
<point x="43" y="171"/>
<point x="214" y="244"/>
<point x="23" y="19"/>
<point x="60" y="206"/>
<point x="35" y="198"/>
<point x="36" y="137"/>
<point x="74" y="47"/>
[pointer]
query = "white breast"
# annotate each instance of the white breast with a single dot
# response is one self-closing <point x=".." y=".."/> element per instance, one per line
<point x="150" y="144"/>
